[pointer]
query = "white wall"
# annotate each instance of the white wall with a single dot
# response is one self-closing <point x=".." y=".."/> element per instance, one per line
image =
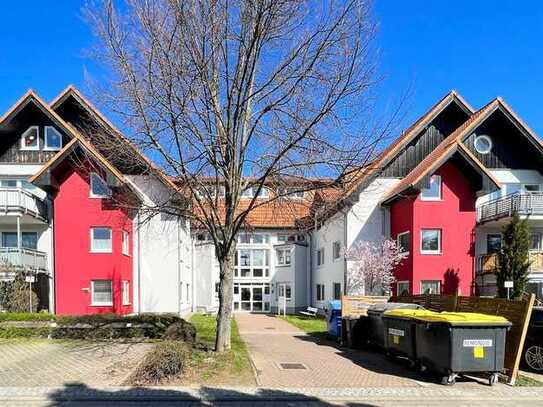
<point x="162" y="253"/>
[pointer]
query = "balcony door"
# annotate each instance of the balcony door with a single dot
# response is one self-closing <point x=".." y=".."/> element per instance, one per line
<point x="29" y="240"/>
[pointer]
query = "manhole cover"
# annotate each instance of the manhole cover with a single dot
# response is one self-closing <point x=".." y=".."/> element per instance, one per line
<point x="292" y="366"/>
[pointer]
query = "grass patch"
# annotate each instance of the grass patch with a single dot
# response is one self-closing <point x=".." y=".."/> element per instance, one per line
<point x="316" y="327"/>
<point x="206" y="366"/>
<point x="26" y="316"/>
<point x="527" y="381"/>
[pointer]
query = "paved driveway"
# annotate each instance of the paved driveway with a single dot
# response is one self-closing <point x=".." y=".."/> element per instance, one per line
<point x="56" y="363"/>
<point x="272" y="341"/>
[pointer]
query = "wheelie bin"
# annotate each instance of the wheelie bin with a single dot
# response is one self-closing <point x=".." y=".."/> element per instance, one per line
<point x="375" y="327"/>
<point x="399" y="327"/>
<point x="451" y="343"/>
<point x="333" y="317"/>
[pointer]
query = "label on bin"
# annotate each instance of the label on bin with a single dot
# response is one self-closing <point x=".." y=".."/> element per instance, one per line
<point x="478" y="352"/>
<point x="396" y="339"/>
<point x="476" y="343"/>
<point x="396" y="332"/>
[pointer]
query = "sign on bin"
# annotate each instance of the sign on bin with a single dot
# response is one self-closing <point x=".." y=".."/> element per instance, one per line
<point x="478" y="346"/>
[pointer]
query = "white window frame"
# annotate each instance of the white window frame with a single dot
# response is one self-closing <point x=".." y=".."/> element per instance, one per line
<point x="125" y="244"/>
<point x="92" y="248"/>
<point x="531" y="185"/>
<point x="334" y="285"/>
<point x="540" y="242"/>
<point x="488" y="139"/>
<point x="440" y="192"/>
<point x="101" y="304"/>
<point x="398" y="283"/>
<point x="439" y="239"/>
<point x="320" y="257"/>
<point x="93" y="176"/>
<point x="283" y="253"/>
<point x="486" y="241"/>
<point x="336" y="244"/>
<point x="430" y="281"/>
<point x="46" y="147"/>
<point x="320" y="293"/>
<point x="125" y="291"/>
<point x="407" y="250"/>
<point x="23" y="146"/>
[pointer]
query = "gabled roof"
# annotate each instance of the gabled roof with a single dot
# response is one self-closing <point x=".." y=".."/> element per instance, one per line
<point x="72" y="91"/>
<point x="445" y="150"/>
<point x="407" y="136"/>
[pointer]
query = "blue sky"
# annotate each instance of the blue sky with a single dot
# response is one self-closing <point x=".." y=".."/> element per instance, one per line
<point x="480" y="48"/>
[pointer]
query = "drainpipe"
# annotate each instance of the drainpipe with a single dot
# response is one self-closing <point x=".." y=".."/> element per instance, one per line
<point x="138" y="234"/>
<point x="345" y="236"/>
<point x="192" y="271"/>
<point x="52" y="299"/>
<point x="179" y="306"/>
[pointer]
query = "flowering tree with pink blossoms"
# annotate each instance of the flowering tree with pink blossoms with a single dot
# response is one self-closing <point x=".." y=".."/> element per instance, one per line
<point x="371" y="266"/>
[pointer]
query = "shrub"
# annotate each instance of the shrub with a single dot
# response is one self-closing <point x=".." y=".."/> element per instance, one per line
<point x="10" y="332"/>
<point x="26" y="316"/>
<point x="167" y="359"/>
<point x="181" y="331"/>
<point x="15" y="295"/>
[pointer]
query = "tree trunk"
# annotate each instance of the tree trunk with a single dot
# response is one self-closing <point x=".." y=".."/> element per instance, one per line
<point x="226" y="289"/>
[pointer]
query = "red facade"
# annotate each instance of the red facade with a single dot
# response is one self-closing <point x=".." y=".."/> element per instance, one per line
<point x="75" y="213"/>
<point x="455" y="216"/>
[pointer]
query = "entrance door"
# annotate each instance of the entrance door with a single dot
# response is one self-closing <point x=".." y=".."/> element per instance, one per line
<point x="257" y="299"/>
<point x="246" y="298"/>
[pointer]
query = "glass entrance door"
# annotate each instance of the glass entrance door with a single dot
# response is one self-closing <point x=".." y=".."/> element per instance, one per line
<point x="252" y="297"/>
<point x="246" y="298"/>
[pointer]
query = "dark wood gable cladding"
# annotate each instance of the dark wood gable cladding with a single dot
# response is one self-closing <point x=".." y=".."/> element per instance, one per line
<point x="510" y="148"/>
<point x="111" y="146"/>
<point x="424" y="143"/>
<point x="11" y="132"/>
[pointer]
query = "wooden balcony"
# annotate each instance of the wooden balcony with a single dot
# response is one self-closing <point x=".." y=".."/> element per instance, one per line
<point x="523" y="204"/>
<point x="486" y="263"/>
<point x="18" y="201"/>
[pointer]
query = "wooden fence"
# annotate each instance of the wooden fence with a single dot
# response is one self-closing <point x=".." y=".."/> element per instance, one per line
<point x="518" y="312"/>
<point x="357" y="305"/>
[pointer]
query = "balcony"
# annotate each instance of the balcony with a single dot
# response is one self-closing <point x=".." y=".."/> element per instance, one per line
<point x="486" y="263"/>
<point x="521" y="203"/>
<point x="23" y="259"/>
<point x="18" y="201"/>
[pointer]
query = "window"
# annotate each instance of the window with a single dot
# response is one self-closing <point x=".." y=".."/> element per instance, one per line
<point x="283" y="257"/>
<point x="256" y="238"/>
<point x="337" y="291"/>
<point x="252" y="263"/>
<point x="126" y="292"/>
<point x="290" y="192"/>
<point x="531" y="188"/>
<point x="30" y="139"/>
<point x="402" y="288"/>
<point x="430" y="241"/>
<point x="320" y="257"/>
<point x="403" y="240"/>
<point x="536" y="242"/>
<point x="53" y="139"/>
<point x="336" y="250"/>
<point x="284" y="290"/>
<point x="126" y="243"/>
<point x="320" y="292"/>
<point x="29" y="240"/>
<point x="430" y="287"/>
<point x="493" y="243"/>
<point x="102" y="292"/>
<point x="483" y="144"/>
<point x="8" y="183"/>
<point x="433" y="192"/>
<point x="188" y="292"/>
<point x="98" y="187"/>
<point x="101" y="240"/>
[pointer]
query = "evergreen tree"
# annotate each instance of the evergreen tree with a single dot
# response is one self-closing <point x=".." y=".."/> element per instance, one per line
<point x="513" y="258"/>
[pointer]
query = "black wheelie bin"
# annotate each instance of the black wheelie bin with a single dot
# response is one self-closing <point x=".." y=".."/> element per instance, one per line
<point x="375" y="327"/>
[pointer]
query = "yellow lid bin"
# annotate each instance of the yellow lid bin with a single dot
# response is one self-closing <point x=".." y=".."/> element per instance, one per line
<point x="408" y="313"/>
<point x="462" y="318"/>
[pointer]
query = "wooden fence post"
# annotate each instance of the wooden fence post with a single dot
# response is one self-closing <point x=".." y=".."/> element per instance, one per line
<point x="525" y="323"/>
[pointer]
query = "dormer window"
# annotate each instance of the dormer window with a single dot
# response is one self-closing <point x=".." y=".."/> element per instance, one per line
<point x="98" y="187"/>
<point x="30" y="139"/>
<point x="53" y="139"/>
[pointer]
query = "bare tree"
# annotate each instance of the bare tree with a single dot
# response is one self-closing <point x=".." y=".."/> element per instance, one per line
<point x="231" y="96"/>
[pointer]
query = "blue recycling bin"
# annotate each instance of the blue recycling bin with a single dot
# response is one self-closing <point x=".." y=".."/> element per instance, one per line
<point x="333" y="317"/>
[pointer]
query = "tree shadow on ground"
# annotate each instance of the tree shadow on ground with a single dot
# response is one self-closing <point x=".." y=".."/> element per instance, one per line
<point x="374" y="359"/>
<point x="79" y="394"/>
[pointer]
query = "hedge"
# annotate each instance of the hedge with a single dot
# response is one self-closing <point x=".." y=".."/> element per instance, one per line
<point x="26" y="316"/>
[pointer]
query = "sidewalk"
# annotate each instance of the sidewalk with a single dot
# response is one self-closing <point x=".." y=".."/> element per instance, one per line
<point x="273" y="342"/>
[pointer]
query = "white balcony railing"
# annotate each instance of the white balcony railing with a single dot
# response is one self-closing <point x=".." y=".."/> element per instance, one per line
<point x="18" y="200"/>
<point x="27" y="259"/>
<point x="521" y="203"/>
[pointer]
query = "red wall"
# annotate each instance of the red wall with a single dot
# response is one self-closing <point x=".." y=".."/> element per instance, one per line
<point x="455" y="216"/>
<point x="75" y="265"/>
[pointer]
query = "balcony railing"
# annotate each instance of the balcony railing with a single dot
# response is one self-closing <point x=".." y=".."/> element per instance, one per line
<point x="20" y="201"/>
<point x="523" y="204"/>
<point x="487" y="263"/>
<point x="26" y="259"/>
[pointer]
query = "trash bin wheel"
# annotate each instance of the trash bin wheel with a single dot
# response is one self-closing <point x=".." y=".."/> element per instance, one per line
<point x="493" y="379"/>
<point x="449" y="380"/>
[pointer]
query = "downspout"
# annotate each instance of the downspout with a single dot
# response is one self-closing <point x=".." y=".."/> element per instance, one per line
<point x="310" y="277"/>
<point x="52" y="298"/>
<point x="192" y="272"/>
<point x="179" y="306"/>
<point x="138" y="234"/>
<point x="345" y="236"/>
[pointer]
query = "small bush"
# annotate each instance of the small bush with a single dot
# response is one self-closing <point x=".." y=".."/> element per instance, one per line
<point x="15" y="294"/>
<point x="11" y="332"/>
<point x="26" y="316"/>
<point x="181" y="331"/>
<point x="167" y="359"/>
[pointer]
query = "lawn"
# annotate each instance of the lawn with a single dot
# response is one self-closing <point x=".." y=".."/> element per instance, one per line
<point x="206" y="367"/>
<point x="313" y="326"/>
